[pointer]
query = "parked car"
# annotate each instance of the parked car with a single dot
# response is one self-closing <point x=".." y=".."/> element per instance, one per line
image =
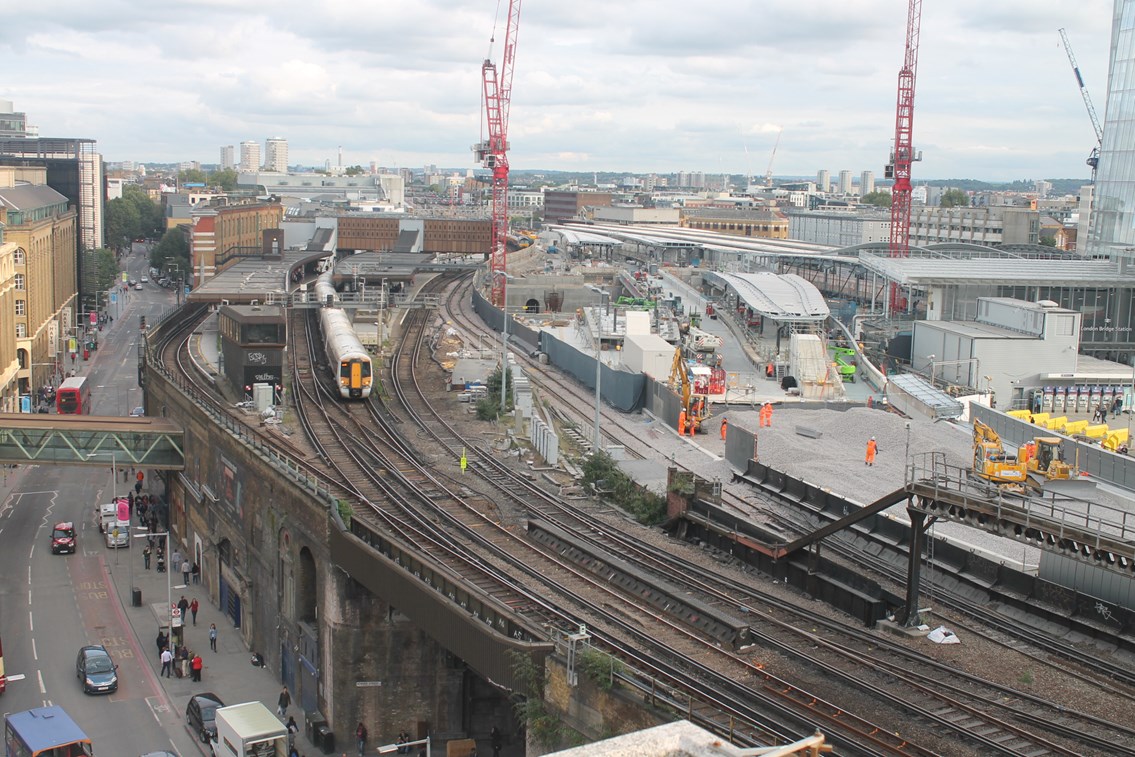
<point x="96" y="671"/>
<point x="63" y="538"/>
<point x="201" y="715"/>
<point x="138" y="412"/>
<point x="138" y="287"/>
<point x="144" y="280"/>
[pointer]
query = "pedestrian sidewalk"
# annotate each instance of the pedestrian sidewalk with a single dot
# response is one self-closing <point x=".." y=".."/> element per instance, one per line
<point x="228" y="672"/>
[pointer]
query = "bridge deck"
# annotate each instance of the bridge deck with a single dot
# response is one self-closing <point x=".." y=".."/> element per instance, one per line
<point x="1077" y="528"/>
<point x="92" y="440"/>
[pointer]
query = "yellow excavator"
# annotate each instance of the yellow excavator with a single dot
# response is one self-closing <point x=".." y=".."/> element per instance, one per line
<point x="1038" y="464"/>
<point x="991" y="463"/>
<point x="695" y="404"/>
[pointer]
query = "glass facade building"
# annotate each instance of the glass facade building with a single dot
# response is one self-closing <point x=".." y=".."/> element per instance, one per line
<point x="1112" y="227"/>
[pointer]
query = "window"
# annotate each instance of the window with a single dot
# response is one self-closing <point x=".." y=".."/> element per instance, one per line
<point x="19" y="281"/>
<point x="19" y="257"/>
<point x="21" y="331"/>
<point x="21" y="307"/>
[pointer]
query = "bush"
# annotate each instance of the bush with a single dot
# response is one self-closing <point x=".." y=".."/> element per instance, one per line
<point x="646" y="507"/>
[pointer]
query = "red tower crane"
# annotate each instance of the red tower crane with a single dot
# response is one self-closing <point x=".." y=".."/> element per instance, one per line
<point x="903" y="154"/>
<point x="493" y="152"/>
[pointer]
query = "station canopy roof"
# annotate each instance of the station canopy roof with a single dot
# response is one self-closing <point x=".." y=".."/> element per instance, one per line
<point x="963" y="264"/>
<point x="782" y="297"/>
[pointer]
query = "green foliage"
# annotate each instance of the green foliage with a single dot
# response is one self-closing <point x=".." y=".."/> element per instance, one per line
<point x="600" y="667"/>
<point x="600" y="471"/>
<point x="106" y="269"/>
<point x="172" y="253"/>
<point x="191" y="176"/>
<point x="489" y="408"/>
<point x="954" y="198"/>
<point x="528" y="702"/>
<point x="225" y="179"/>
<point x="1026" y="678"/>
<point x="878" y="199"/>
<point x="1047" y="241"/>
<point x="346" y="512"/>
<point x="354" y="170"/>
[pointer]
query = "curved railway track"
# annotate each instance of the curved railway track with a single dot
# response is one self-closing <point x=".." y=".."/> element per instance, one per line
<point x="371" y="461"/>
<point x="946" y="703"/>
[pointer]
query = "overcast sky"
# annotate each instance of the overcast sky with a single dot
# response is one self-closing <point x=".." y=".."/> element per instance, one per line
<point x="600" y="85"/>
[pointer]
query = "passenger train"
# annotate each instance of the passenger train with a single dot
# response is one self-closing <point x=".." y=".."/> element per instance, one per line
<point x="349" y="359"/>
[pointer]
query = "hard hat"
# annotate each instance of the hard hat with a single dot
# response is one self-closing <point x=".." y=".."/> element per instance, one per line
<point x="872" y="438"/>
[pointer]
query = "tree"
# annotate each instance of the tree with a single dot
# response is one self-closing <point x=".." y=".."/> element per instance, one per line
<point x="954" y="198"/>
<point x="225" y="179"/>
<point x="1047" y="240"/>
<point x="105" y="269"/>
<point x="123" y="222"/>
<point x="172" y="253"/>
<point x="879" y="199"/>
<point x="191" y="176"/>
<point x="354" y="170"/>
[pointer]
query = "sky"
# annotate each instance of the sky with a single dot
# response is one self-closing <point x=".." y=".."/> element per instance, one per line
<point x="634" y="86"/>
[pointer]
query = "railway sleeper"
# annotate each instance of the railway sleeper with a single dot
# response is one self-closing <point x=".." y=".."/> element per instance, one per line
<point x="726" y="629"/>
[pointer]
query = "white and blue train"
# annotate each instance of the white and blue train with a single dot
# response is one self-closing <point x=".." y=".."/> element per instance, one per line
<point x="349" y="359"/>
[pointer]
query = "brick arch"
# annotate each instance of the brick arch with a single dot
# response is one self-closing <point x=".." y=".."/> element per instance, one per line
<point x="307" y="593"/>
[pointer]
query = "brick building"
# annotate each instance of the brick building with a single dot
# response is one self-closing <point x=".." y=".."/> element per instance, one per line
<point x="38" y="281"/>
<point x="759" y="223"/>
<point x="218" y="232"/>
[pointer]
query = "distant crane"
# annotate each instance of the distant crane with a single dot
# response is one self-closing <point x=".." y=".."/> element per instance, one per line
<point x="768" y="173"/>
<point x="903" y="155"/>
<point x="493" y="152"/>
<point x="1094" y="157"/>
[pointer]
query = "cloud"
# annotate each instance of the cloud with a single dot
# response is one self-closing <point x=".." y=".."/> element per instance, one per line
<point x="632" y="87"/>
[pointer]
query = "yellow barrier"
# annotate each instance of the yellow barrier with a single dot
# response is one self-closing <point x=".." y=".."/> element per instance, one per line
<point x="1075" y="427"/>
<point x="1040" y="418"/>
<point x="1021" y="415"/>
<point x="1098" y="431"/>
<point x="1055" y="424"/>
<point x="1116" y="439"/>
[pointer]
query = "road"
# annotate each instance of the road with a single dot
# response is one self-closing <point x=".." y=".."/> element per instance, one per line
<point x="50" y="605"/>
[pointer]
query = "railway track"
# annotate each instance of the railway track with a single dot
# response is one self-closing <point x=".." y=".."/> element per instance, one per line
<point x="949" y="706"/>
<point x="353" y="461"/>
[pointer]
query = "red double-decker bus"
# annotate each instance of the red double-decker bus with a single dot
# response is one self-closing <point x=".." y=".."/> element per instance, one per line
<point x="74" y="397"/>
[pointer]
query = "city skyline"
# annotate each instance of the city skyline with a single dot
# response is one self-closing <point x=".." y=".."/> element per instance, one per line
<point x="646" y="88"/>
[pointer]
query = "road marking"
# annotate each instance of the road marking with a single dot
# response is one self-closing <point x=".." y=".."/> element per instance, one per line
<point x="31" y="622"/>
<point x="35" y="651"/>
<point x="42" y="688"/>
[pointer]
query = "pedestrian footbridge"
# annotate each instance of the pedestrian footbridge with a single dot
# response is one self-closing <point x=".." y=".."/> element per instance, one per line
<point x="91" y="440"/>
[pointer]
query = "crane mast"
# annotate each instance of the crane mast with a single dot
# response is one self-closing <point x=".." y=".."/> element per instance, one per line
<point x="903" y="155"/>
<point x="493" y="152"/>
<point x="1094" y="158"/>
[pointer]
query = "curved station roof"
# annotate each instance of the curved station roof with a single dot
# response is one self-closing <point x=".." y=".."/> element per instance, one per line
<point x="782" y="297"/>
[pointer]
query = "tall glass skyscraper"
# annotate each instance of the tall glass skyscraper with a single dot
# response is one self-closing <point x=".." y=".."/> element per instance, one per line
<point x="1112" y="229"/>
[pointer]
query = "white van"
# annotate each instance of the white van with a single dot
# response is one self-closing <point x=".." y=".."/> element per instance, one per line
<point x="115" y="531"/>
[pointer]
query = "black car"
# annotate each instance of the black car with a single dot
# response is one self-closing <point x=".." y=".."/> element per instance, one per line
<point x="201" y="715"/>
<point x="96" y="670"/>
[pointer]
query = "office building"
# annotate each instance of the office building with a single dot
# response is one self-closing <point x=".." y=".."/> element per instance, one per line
<point x="228" y="159"/>
<point x="824" y="181"/>
<point x="12" y="124"/>
<point x="1112" y="224"/>
<point x="276" y="155"/>
<point x="845" y="183"/>
<point x="866" y="183"/>
<point x="38" y="306"/>
<point x="249" y="156"/>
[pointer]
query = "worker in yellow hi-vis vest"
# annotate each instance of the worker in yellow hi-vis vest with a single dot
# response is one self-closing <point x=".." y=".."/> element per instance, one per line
<point x="464" y="461"/>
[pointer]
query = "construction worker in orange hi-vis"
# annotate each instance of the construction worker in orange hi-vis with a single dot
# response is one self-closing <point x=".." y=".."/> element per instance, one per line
<point x="872" y="449"/>
<point x="766" y="415"/>
<point x="724" y="428"/>
<point x="682" y="423"/>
